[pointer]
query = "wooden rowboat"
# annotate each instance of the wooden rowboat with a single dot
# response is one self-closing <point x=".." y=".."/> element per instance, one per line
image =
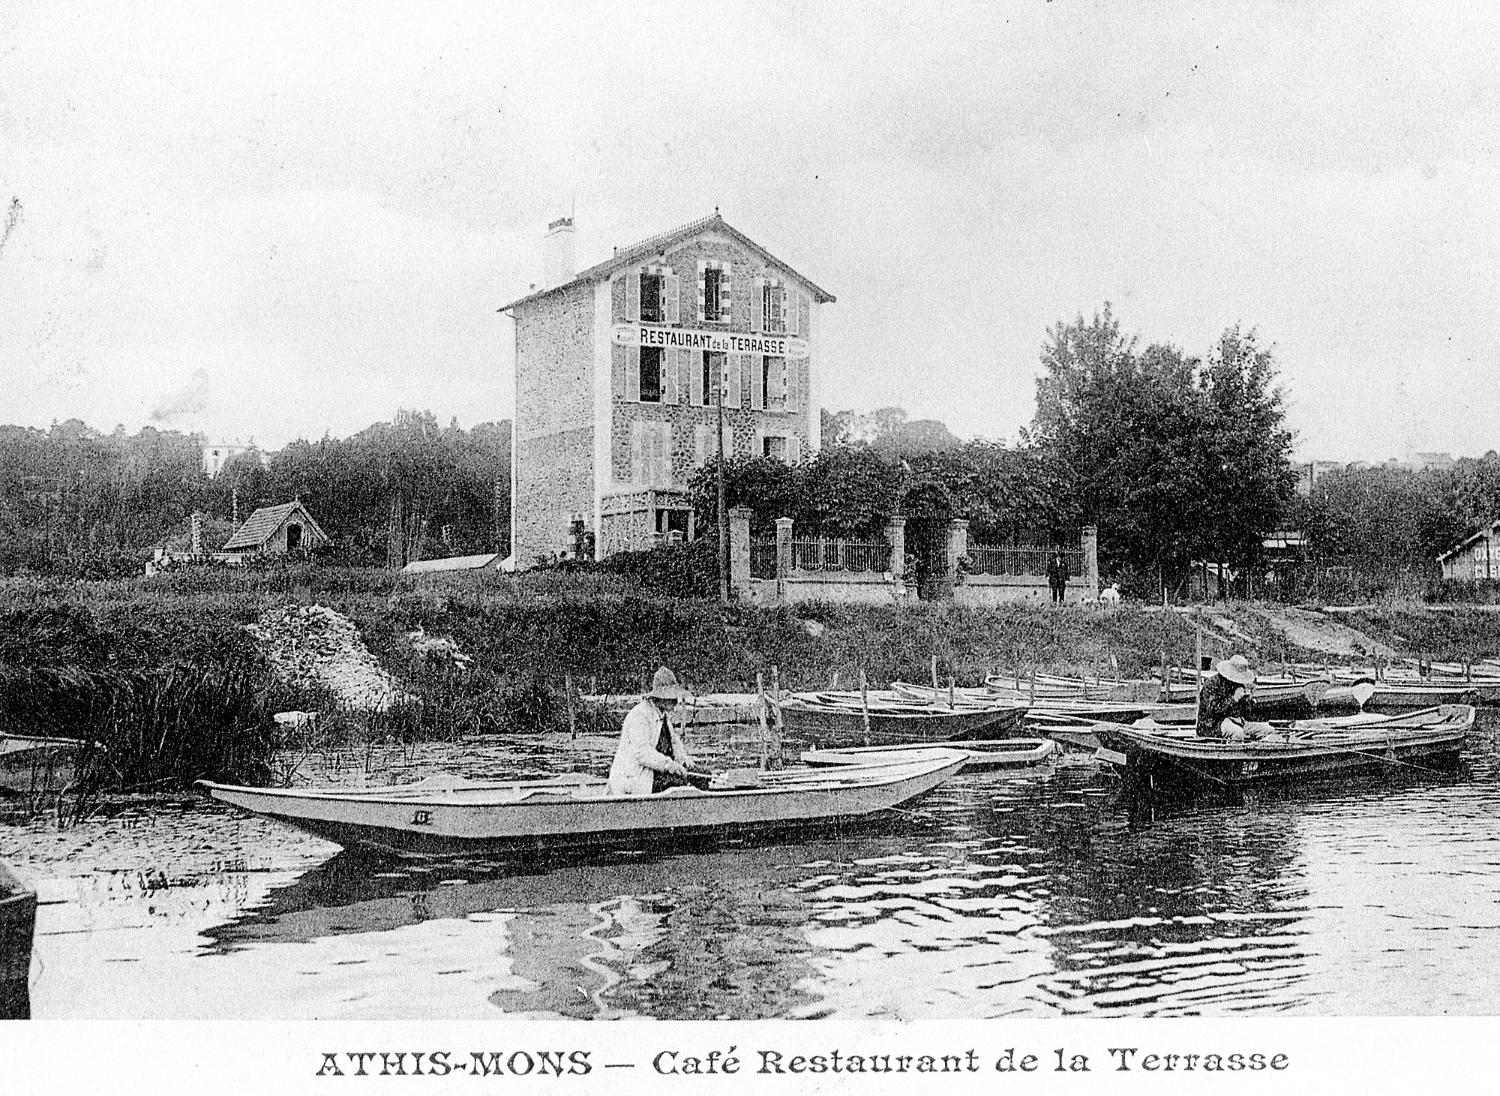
<point x="836" y="720"/>
<point x="29" y="764"/>
<point x="1308" y="748"/>
<point x="17" y="923"/>
<point x="444" y="814"/>
<point x="994" y="753"/>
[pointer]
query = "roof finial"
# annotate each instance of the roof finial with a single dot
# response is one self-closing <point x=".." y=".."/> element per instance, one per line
<point x="716" y="211"/>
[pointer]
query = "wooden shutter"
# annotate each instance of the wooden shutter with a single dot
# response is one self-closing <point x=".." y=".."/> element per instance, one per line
<point x="633" y="296"/>
<point x="633" y="373"/>
<point x="791" y="371"/>
<point x="732" y="371"/>
<point x="757" y="382"/>
<point x="679" y="359"/>
<point x="793" y="312"/>
<point x="793" y="450"/>
<point x="661" y="453"/>
<point x="702" y="287"/>
<point x="671" y="291"/>
<point x="695" y="377"/>
<point x="726" y="300"/>
<point x="728" y="440"/>
<point x="757" y="305"/>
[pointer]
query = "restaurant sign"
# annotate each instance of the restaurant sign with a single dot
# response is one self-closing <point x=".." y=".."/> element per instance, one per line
<point x="724" y="342"/>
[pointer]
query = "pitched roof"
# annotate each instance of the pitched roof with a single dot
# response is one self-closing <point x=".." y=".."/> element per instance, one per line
<point x="262" y="525"/>
<point x="655" y="245"/>
<point x="1487" y="531"/>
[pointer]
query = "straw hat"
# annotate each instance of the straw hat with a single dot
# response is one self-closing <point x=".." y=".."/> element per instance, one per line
<point x="1236" y="669"/>
<point x="665" y="686"/>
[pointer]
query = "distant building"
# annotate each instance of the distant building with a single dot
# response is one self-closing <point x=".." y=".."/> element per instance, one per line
<point x="276" y="530"/>
<point x="216" y="453"/>
<point x="488" y="562"/>
<point x="617" y="370"/>
<point x="1476" y="559"/>
<point x="1310" y="472"/>
<point x="1420" y="462"/>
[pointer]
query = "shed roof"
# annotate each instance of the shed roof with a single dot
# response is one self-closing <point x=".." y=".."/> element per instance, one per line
<point x="1486" y="531"/>
<point x="626" y="256"/>
<point x="451" y="563"/>
<point x="261" y="526"/>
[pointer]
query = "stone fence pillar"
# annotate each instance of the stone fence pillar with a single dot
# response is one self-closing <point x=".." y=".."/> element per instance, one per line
<point x="739" y="551"/>
<point x="895" y="536"/>
<point x="1091" y="559"/>
<point x="783" y="555"/>
<point x="958" y="547"/>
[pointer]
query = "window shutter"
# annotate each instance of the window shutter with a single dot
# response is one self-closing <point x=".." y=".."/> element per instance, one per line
<point x="793" y="449"/>
<point x="757" y="382"/>
<point x="757" y="305"/>
<point x="663" y="469"/>
<point x="793" y="312"/>
<point x="732" y="370"/>
<point x="701" y="435"/>
<point x="695" y="377"/>
<point x="726" y="301"/>
<point x="791" y="371"/>
<point x="728" y="441"/>
<point x="633" y="373"/>
<point x="702" y="287"/>
<point x="633" y="296"/>
<point x="759" y="445"/>
<point x="678" y="359"/>
<point x="671" y="289"/>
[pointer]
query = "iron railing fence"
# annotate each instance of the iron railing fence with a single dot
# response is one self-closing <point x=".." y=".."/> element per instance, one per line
<point x="763" y="559"/>
<point x="840" y="555"/>
<point x="986" y="560"/>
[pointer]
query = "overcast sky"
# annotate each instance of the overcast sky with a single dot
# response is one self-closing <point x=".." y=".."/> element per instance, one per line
<point x="285" y="220"/>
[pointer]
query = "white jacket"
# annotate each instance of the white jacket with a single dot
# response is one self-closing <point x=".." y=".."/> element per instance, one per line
<point x="637" y="757"/>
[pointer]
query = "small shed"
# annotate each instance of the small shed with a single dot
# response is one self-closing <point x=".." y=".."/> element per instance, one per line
<point x="487" y="562"/>
<point x="1476" y="559"/>
<point x="277" y="530"/>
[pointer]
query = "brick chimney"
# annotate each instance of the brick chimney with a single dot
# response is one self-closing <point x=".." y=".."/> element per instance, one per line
<point x="561" y="265"/>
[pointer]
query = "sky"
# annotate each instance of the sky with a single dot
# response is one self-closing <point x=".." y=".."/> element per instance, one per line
<point x="273" y="220"/>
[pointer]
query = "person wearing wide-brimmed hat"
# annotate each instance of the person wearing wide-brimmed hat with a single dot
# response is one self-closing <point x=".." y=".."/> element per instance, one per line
<point x="651" y="756"/>
<point x="1224" y="702"/>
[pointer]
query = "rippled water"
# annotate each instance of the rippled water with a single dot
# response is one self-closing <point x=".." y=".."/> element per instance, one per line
<point x="997" y="894"/>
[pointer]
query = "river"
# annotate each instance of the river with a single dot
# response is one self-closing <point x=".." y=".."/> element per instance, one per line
<point x="1031" y="893"/>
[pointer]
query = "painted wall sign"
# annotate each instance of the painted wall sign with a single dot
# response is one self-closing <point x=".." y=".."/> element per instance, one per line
<point x="725" y="342"/>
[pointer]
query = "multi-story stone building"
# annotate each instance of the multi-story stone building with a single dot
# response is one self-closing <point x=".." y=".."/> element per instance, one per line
<point x="620" y="370"/>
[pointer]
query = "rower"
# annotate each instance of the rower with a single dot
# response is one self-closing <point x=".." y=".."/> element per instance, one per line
<point x="1224" y="703"/>
<point x="651" y="756"/>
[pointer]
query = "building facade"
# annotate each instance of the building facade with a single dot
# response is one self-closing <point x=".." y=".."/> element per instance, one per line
<point x="619" y="375"/>
<point x="1477" y="559"/>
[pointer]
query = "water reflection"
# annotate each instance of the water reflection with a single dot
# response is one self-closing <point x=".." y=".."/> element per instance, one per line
<point x="997" y="894"/>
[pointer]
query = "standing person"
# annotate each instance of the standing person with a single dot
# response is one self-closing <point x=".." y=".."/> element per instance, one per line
<point x="1057" y="577"/>
<point x="1224" y="703"/>
<point x="651" y="756"/>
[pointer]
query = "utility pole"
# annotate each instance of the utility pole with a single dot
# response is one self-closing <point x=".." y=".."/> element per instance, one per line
<point x="723" y="513"/>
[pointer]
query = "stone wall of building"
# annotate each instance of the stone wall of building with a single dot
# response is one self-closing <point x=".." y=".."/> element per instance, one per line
<point x="746" y="426"/>
<point x="554" y="423"/>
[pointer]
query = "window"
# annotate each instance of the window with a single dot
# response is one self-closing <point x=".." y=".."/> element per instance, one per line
<point x="713" y="372"/>
<point x="652" y="310"/>
<point x="713" y="294"/>
<point x="773" y="447"/>
<point x="651" y="374"/>
<point x="773" y="306"/>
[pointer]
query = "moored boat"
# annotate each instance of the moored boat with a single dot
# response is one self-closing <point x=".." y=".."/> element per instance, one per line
<point x="30" y="764"/>
<point x="17" y="924"/>
<point x="995" y="753"/>
<point x="444" y="814"/>
<point x="1303" y="749"/>
<point x="847" y="719"/>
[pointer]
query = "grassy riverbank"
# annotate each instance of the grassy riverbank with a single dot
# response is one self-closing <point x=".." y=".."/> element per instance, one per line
<point x="162" y="672"/>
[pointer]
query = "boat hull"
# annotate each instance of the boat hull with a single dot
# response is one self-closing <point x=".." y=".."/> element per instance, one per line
<point x="29" y="766"/>
<point x="831" y="726"/>
<point x="1186" y="759"/>
<point x="532" y="817"/>
<point x="981" y="754"/>
<point x="17" y="926"/>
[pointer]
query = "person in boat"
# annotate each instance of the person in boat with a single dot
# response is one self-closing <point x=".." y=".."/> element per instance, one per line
<point x="1224" y="703"/>
<point x="1057" y="578"/>
<point x="651" y="756"/>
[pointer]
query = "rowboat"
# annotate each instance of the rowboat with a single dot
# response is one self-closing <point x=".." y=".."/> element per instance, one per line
<point x="1306" y="748"/>
<point x="17" y="923"/>
<point x="995" y="753"/>
<point x="30" y="764"/>
<point x="444" y="814"/>
<point x="846" y="719"/>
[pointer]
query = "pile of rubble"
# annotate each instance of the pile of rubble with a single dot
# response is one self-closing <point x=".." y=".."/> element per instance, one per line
<point x="313" y="646"/>
<point x="437" y="649"/>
